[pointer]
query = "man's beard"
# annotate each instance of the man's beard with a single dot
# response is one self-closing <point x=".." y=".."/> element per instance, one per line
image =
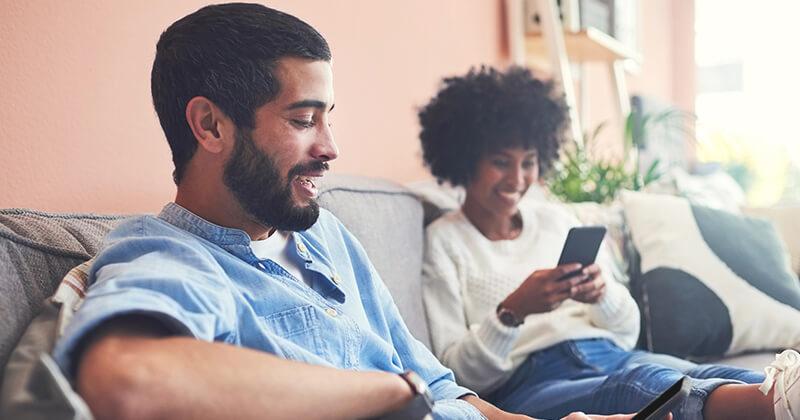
<point x="256" y="183"/>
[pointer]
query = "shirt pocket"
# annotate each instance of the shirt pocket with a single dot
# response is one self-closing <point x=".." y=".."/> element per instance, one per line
<point x="300" y="326"/>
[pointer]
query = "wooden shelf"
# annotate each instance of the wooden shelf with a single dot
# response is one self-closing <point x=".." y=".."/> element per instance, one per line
<point x="589" y="44"/>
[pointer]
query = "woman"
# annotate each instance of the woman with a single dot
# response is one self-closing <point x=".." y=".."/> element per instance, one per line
<point x="501" y="314"/>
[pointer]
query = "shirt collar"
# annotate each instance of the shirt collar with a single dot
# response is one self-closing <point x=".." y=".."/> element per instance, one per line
<point x="237" y="242"/>
<point x="180" y="217"/>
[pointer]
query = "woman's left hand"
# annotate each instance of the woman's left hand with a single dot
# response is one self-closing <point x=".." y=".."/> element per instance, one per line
<point x="592" y="289"/>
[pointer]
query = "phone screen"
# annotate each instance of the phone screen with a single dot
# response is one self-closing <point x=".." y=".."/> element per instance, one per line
<point x="666" y="402"/>
<point x="582" y="245"/>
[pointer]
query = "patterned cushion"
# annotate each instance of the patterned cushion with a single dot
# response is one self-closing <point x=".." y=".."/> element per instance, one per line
<point x="786" y="220"/>
<point x="711" y="283"/>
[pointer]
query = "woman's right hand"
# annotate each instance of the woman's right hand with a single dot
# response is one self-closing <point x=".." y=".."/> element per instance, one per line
<point x="542" y="291"/>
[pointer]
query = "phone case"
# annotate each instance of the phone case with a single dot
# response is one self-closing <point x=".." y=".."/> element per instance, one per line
<point x="666" y="402"/>
<point x="582" y="245"/>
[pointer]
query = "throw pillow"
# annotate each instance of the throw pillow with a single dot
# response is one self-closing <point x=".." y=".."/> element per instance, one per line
<point x="710" y="283"/>
<point x="786" y="221"/>
<point x="34" y="387"/>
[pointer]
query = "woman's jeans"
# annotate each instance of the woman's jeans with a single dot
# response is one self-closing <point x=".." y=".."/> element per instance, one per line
<point x="596" y="376"/>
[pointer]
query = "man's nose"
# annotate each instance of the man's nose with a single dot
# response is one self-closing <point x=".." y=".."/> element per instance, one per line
<point x="325" y="148"/>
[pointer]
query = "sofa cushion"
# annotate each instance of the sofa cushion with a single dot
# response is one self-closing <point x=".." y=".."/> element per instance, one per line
<point x="36" y="250"/>
<point x="387" y="219"/>
<point x="711" y="283"/>
<point x="785" y="217"/>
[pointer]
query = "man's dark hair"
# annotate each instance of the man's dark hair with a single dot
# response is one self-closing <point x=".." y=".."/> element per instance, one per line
<point x="228" y="54"/>
<point x="487" y="111"/>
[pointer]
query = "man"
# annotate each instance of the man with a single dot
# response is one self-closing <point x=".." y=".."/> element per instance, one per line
<point x="242" y="299"/>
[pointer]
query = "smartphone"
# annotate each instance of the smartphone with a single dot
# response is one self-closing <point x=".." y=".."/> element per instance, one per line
<point x="582" y="245"/>
<point x="666" y="402"/>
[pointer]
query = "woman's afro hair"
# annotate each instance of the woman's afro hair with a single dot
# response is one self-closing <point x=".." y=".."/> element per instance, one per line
<point x="486" y="111"/>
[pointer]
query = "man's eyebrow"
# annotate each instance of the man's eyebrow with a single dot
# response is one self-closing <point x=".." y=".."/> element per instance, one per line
<point x="309" y="103"/>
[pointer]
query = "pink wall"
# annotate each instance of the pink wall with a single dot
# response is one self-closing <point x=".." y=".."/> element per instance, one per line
<point x="78" y="132"/>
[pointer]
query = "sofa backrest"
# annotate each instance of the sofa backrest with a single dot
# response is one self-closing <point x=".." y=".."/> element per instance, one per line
<point x="37" y="249"/>
<point x="387" y="219"/>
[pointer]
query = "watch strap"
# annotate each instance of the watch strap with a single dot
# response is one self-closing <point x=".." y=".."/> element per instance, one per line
<point x="420" y="407"/>
<point x="507" y="317"/>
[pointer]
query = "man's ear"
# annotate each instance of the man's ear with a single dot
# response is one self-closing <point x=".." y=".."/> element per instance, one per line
<point x="208" y="123"/>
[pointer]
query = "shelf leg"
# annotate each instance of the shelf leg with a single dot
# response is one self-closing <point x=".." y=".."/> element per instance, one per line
<point x="557" y="52"/>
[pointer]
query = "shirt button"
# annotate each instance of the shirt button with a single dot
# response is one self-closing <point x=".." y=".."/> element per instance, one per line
<point x="336" y="279"/>
<point x="301" y="247"/>
<point x="331" y="312"/>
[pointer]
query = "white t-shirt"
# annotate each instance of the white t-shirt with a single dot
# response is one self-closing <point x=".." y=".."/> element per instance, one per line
<point x="279" y="247"/>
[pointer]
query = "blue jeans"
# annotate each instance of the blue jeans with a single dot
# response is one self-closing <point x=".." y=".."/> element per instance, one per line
<point x="597" y="376"/>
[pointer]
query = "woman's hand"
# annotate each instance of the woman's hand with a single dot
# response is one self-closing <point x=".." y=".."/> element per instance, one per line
<point x="593" y="288"/>
<point x="545" y="290"/>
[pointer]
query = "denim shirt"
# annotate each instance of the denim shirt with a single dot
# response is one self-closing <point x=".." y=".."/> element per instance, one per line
<point x="203" y="280"/>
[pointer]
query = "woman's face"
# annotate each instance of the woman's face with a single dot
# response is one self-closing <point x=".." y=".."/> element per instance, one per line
<point x="502" y="179"/>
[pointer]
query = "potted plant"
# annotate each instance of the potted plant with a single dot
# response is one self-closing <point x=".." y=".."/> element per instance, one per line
<point x="579" y="176"/>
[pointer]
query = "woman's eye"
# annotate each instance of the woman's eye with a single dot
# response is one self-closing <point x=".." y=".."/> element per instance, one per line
<point x="528" y="165"/>
<point x="500" y="163"/>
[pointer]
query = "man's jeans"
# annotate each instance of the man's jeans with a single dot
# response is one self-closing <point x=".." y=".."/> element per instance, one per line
<point x="596" y="376"/>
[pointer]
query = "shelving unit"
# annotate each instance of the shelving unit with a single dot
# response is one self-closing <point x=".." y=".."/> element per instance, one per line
<point x="563" y="48"/>
<point x="589" y="44"/>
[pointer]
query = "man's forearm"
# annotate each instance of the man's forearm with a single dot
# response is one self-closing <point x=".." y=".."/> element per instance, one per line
<point x="142" y="377"/>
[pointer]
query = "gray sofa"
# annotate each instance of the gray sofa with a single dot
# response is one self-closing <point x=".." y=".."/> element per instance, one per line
<point x="37" y="249"/>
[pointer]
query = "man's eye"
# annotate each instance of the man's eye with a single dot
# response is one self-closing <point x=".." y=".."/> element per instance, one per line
<point x="303" y="123"/>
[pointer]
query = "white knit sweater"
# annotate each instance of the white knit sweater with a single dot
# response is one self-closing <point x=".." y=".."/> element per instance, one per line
<point x="465" y="276"/>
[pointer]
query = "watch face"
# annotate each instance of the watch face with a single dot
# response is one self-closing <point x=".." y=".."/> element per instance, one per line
<point x="507" y="318"/>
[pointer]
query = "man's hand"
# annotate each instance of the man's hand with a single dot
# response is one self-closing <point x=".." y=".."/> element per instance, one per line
<point x="545" y="290"/>
<point x="581" y="416"/>
<point x="593" y="288"/>
<point x="493" y="413"/>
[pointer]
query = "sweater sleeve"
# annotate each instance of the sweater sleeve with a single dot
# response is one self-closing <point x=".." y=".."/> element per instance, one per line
<point x="478" y="354"/>
<point x="616" y="312"/>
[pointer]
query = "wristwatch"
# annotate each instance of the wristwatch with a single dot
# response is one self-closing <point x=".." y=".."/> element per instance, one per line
<point x="507" y="317"/>
<point x="421" y="407"/>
